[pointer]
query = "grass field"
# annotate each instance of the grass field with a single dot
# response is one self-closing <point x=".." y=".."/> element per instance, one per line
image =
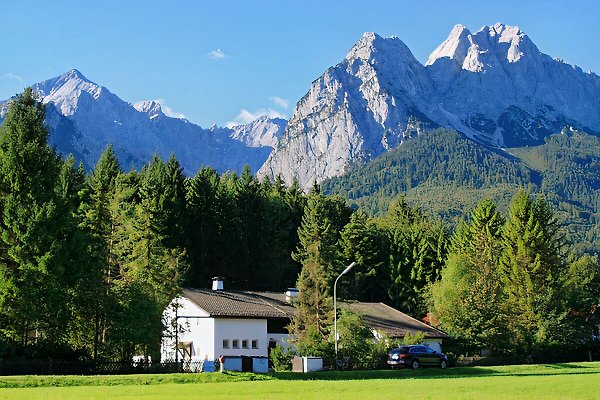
<point x="552" y="381"/>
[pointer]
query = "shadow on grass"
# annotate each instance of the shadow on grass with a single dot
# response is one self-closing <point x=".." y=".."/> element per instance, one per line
<point x="228" y="377"/>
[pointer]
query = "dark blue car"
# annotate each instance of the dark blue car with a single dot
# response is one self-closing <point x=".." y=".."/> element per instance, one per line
<point x="415" y="357"/>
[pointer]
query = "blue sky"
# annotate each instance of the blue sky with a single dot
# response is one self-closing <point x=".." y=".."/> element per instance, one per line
<point x="222" y="61"/>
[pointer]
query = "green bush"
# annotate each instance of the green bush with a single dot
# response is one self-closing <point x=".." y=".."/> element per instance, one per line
<point x="414" y="338"/>
<point x="282" y="358"/>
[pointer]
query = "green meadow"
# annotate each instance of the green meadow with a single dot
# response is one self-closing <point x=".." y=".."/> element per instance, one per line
<point x="545" y="381"/>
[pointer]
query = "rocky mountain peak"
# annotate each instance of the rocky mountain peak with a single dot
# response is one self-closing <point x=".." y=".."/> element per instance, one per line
<point x="65" y="90"/>
<point x="150" y="107"/>
<point x="493" y="86"/>
<point x="371" y="47"/>
<point x="486" y="49"/>
<point x="455" y="47"/>
<point x="519" y="44"/>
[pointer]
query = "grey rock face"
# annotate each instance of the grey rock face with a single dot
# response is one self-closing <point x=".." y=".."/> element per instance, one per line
<point x="494" y="86"/>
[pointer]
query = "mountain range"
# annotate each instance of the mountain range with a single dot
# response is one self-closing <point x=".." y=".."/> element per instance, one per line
<point x="493" y="86"/>
<point x="84" y="117"/>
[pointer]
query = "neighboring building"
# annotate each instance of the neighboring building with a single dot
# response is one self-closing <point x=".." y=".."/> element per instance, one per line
<point x="395" y="324"/>
<point x="216" y="322"/>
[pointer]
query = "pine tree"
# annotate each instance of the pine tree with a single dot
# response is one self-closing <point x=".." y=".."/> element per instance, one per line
<point x="155" y="264"/>
<point x="205" y="214"/>
<point x="362" y="243"/>
<point x="99" y="219"/>
<point x="417" y="250"/>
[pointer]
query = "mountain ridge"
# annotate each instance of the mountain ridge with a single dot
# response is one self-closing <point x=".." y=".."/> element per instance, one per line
<point x="442" y="165"/>
<point x="96" y="117"/>
<point x="494" y="86"/>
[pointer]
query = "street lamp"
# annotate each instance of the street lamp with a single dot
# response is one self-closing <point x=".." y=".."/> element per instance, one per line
<point x="348" y="268"/>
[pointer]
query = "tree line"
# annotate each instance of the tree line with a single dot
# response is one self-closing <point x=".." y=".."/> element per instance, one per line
<point x="89" y="261"/>
<point x="507" y="285"/>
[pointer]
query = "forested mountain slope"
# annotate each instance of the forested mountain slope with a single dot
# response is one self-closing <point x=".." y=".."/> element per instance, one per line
<point x="446" y="174"/>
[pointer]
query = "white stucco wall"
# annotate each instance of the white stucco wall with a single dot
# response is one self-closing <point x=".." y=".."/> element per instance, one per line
<point x="206" y="334"/>
<point x="282" y="339"/>
<point x="241" y="329"/>
<point x="435" y="344"/>
<point x="194" y="326"/>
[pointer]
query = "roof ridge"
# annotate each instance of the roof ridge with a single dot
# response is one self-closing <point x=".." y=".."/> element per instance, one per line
<point x="269" y="303"/>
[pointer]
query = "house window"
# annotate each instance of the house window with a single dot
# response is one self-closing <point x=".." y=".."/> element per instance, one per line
<point x="255" y="344"/>
<point x="244" y="344"/>
<point x="225" y="343"/>
<point x="236" y="344"/>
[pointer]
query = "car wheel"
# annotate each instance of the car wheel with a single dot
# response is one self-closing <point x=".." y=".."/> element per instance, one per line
<point x="415" y="364"/>
<point x="443" y="364"/>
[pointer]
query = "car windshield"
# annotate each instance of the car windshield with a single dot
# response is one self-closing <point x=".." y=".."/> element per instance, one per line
<point x="399" y="350"/>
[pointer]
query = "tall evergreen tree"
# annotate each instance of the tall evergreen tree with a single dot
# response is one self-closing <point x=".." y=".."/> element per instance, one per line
<point x="534" y="271"/>
<point x="100" y="219"/>
<point x="417" y="250"/>
<point x="364" y="244"/>
<point x="155" y="264"/>
<point x="33" y="228"/>
<point x="469" y="300"/>
<point x="317" y="253"/>
<point x="206" y="218"/>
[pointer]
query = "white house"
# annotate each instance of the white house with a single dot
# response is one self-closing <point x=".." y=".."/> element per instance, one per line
<point x="208" y="324"/>
<point x="214" y="323"/>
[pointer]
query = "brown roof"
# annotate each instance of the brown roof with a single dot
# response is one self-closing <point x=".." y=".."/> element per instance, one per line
<point x="239" y="304"/>
<point x="386" y="319"/>
<point x="219" y="303"/>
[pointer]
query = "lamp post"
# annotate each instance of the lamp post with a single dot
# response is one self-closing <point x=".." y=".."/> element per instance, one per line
<point x="335" y="335"/>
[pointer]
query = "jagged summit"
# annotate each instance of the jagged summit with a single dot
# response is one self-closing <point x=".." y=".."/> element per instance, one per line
<point x="372" y="46"/>
<point x="262" y="132"/>
<point x="150" y="107"/>
<point x="75" y="73"/>
<point x="489" y="47"/>
<point x="505" y="31"/>
<point x="493" y="85"/>
<point x="65" y="90"/>
<point x="73" y="78"/>
<point x="455" y="47"/>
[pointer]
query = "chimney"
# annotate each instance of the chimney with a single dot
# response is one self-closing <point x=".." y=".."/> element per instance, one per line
<point x="217" y="283"/>
<point x="291" y="294"/>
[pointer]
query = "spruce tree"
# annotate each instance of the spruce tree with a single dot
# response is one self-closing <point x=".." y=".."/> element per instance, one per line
<point x="534" y="270"/>
<point x="364" y="244"/>
<point x="100" y="221"/>
<point x="205" y="220"/>
<point x="469" y="300"/>
<point x="156" y="262"/>
<point x="417" y="250"/>
<point x="316" y="252"/>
